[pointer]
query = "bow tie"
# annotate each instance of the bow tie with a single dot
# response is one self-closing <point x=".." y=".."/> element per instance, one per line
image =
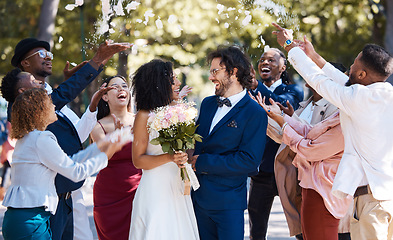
<point x="222" y="102"/>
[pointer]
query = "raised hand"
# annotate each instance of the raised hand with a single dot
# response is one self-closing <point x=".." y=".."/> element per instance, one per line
<point x="98" y="95"/>
<point x="282" y="34"/>
<point x="106" y="50"/>
<point x="184" y="91"/>
<point x="67" y="73"/>
<point x="306" y="46"/>
<point x="117" y="122"/>
<point x="287" y="110"/>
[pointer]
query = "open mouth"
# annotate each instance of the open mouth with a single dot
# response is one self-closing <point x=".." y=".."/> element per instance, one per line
<point x="122" y="96"/>
<point x="265" y="70"/>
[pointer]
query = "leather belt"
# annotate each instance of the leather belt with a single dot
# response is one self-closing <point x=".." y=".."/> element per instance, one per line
<point x="66" y="195"/>
<point x="362" y="190"/>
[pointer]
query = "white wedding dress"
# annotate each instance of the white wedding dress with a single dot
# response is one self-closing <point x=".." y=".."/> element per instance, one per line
<point x="160" y="210"/>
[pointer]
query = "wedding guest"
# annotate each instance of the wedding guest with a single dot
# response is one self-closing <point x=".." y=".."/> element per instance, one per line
<point x="34" y="56"/>
<point x="160" y="209"/>
<point x="115" y="186"/>
<point x="276" y="85"/>
<point x="318" y="149"/>
<point x="231" y="125"/>
<point x="364" y="100"/>
<point x="31" y="198"/>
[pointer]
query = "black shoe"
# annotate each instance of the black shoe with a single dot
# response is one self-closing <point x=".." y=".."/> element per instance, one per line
<point x="299" y="236"/>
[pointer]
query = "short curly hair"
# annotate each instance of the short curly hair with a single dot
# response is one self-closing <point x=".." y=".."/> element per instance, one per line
<point x="30" y="111"/>
<point x="9" y="85"/>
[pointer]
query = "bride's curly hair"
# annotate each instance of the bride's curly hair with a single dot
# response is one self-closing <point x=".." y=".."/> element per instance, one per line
<point x="30" y="111"/>
<point x="152" y="85"/>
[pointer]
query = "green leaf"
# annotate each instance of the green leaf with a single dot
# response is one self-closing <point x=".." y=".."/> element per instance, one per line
<point x="198" y="137"/>
<point x="155" y="141"/>
<point x="179" y="144"/>
<point x="166" y="147"/>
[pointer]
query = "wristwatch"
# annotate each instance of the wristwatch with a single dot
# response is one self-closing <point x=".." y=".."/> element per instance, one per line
<point x="287" y="43"/>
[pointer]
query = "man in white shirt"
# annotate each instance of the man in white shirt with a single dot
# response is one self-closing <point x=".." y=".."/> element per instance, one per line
<point x="364" y="100"/>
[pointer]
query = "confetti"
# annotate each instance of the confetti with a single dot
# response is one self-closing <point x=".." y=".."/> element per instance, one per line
<point x="132" y="6"/>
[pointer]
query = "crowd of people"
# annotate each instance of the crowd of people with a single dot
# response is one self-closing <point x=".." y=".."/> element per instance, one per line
<point x="328" y="158"/>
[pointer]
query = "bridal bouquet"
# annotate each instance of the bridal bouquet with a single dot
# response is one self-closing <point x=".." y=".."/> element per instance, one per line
<point x="176" y="127"/>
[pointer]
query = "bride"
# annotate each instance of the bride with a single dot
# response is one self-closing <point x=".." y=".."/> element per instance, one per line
<point x="160" y="210"/>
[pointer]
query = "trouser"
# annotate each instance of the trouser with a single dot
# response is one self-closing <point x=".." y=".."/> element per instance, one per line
<point x="317" y="221"/>
<point x="372" y="218"/>
<point x="26" y="223"/>
<point x="62" y="222"/>
<point x="263" y="189"/>
<point x="219" y="224"/>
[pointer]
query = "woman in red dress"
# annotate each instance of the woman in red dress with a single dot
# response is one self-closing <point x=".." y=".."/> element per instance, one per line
<point x="115" y="185"/>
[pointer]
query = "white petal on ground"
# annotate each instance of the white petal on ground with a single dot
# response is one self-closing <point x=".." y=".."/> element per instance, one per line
<point x="132" y="6"/>
<point x="172" y="19"/>
<point x="60" y="39"/>
<point x="220" y="8"/>
<point x="159" y="23"/>
<point x="246" y="20"/>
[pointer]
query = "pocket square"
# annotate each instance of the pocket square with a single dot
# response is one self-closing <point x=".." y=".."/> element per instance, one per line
<point x="233" y="124"/>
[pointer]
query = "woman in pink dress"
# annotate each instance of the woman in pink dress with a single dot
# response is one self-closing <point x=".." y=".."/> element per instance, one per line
<point x="115" y="185"/>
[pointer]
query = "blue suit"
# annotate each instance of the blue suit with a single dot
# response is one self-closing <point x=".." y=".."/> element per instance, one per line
<point x="227" y="156"/>
<point x="263" y="185"/>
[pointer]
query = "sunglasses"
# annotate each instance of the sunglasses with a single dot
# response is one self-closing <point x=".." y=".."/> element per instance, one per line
<point x="42" y="54"/>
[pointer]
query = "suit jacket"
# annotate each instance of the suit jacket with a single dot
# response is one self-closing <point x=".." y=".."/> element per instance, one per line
<point x="228" y="154"/>
<point x="63" y="129"/>
<point x="294" y="94"/>
<point x="65" y="132"/>
<point x="288" y="188"/>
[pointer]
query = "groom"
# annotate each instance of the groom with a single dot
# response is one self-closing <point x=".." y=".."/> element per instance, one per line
<point x="233" y="127"/>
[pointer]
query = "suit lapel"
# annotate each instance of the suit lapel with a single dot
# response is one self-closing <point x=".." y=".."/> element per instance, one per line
<point x="231" y="113"/>
<point x="210" y="111"/>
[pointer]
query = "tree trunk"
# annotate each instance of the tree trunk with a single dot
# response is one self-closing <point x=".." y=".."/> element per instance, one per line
<point x="46" y="24"/>
<point x="389" y="31"/>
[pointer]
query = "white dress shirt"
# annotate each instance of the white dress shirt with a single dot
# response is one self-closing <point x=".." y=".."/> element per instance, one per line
<point x="366" y="119"/>
<point x="222" y="111"/>
<point x="274" y="85"/>
<point x="85" y="124"/>
<point x="308" y="111"/>
<point x="37" y="159"/>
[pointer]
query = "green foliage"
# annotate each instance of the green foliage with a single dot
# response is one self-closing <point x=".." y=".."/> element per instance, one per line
<point x="178" y="137"/>
<point x="338" y="30"/>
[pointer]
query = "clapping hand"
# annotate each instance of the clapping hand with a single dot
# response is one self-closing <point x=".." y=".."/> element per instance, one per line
<point x="287" y="110"/>
<point x="273" y="110"/>
<point x="117" y="122"/>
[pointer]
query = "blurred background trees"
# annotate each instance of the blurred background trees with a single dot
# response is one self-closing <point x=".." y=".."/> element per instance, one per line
<point x="184" y="31"/>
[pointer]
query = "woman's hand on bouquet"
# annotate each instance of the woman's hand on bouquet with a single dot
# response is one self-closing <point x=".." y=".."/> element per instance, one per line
<point x="180" y="158"/>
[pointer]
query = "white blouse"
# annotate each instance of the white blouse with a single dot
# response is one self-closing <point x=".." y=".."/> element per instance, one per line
<point x="36" y="161"/>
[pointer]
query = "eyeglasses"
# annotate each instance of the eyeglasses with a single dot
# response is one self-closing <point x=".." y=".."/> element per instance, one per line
<point x="42" y="54"/>
<point x="214" y="72"/>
